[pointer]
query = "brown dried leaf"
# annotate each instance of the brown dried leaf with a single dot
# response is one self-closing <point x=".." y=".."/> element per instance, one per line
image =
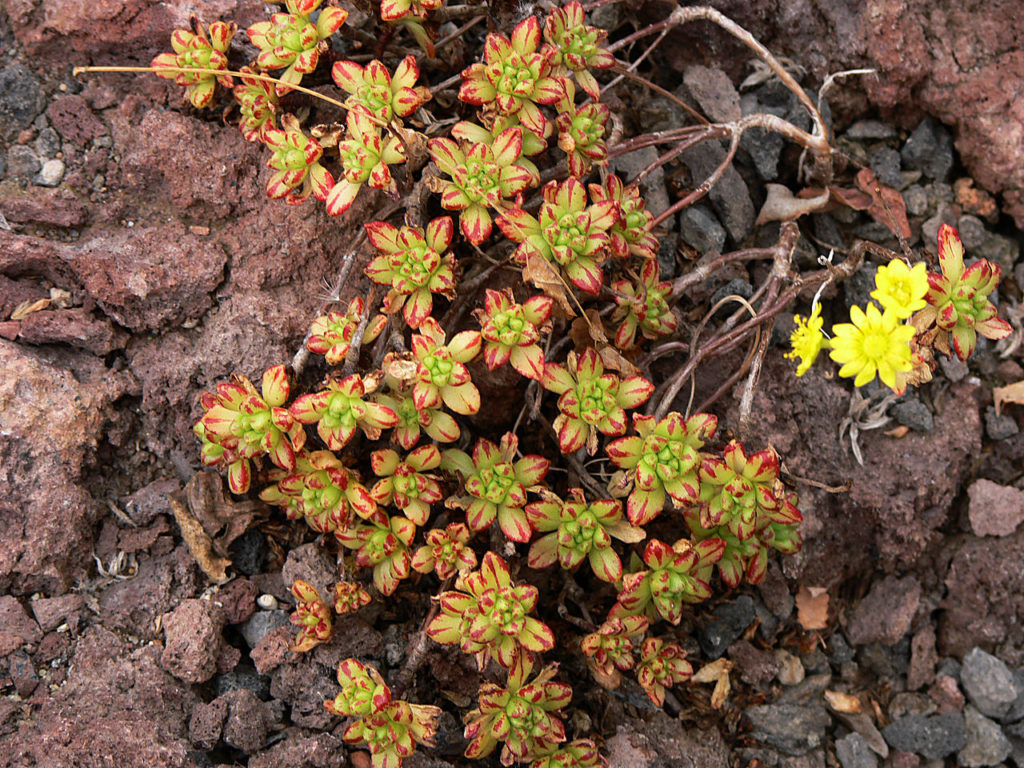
<point x="887" y="205"/>
<point x="199" y="543"/>
<point x="608" y="682"/>
<point x="782" y="205"/>
<point x="812" y="607"/>
<point x="1011" y="393"/>
<point x="28" y="307"/>
<point x="716" y="672"/>
<point x="843" y="702"/>
<point x="897" y="432"/>
<point x="589" y="330"/>
<point x="223" y="519"/>
<point x="539" y="271"/>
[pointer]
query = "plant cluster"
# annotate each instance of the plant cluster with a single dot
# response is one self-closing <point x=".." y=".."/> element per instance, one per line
<point x="651" y="509"/>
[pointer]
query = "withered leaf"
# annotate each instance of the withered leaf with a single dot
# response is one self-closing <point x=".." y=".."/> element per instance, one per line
<point x="539" y="271"/>
<point x="887" y="206"/>
<point x="716" y="672"/>
<point x="782" y="205"/>
<point x="589" y="328"/>
<point x="843" y="702"/>
<point x="28" y="307"/>
<point x="199" y="543"/>
<point x="1011" y="393"/>
<point x="812" y="607"/>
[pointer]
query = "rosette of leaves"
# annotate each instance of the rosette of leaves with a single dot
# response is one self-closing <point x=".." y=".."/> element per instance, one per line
<point x="581" y="132"/>
<point x="296" y="159"/>
<point x="514" y="76"/>
<point x="663" y="458"/>
<point x="642" y="306"/>
<point x="441" y="373"/>
<point x="748" y="558"/>
<point x="488" y="616"/>
<point x="365" y="156"/>
<point x="349" y="597"/>
<point x="958" y="297"/>
<point x="510" y="331"/>
<point x="245" y="424"/>
<point x="446" y="552"/>
<point x="674" y="575"/>
<point x="393" y="10"/>
<point x="496" y="485"/>
<point x="342" y="408"/>
<point x="739" y="491"/>
<point x="533" y="143"/>
<point x="406" y="483"/>
<point x="374" y="90"/>
<point x="590" y="400"/>
<point x="661" y="666"/>
<point x="523" y="715"/>
<point x="574" y="46"/>
<point x="257" y="101"/>
<point x="437" y="424"/>
<point x="611" y="647"/>
<point x="414" y="265"/>
<point x="579" y="530"/>
<point x="568" y="234"/>
<point x="483" y="175"/>
<point x="331" y="335"/>
<point x="311" y="616"/>
<point x="292" y="40"/>
<point x="382" y="543"/>
<point x="198" y="50"/>
<point x="321" y="490"/>
<point x="631" y="232"/>
<point x="581" y="753"/>
<point x="389" y="728"/>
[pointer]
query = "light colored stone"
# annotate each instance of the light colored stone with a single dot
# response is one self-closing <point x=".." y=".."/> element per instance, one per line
<point x="994" y="510"/>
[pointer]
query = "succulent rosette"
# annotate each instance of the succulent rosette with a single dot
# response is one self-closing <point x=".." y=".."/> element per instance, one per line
<point x="590" y="400"/>
<point x="257" y="101"/>
<point x="293" y="41"/>
<point x="661" y="666"/>
<point x="581" y="130"/>
<point x="611" y="647"/>
<point x="514" y="76"/>
<point x="441" y="373"/>
<point x="446" y="552"/>
<point x="342" y="408"/>
<point x="243" y="424"/>
<point x="483" y="175"/>
<point x="578" y="530"/>
<point x="198" y="50"/>
<point x="406" y="483"/>
<point x="331" y="335"/>
<point x="662" y="459"/>
<point x="413" y="421"/>
<point x="958" y="298"/>
<point x="363" y="691"/>
<point x="365" y="157"/>
<point x="580" y="753"/>
<point x="320" y="490"/>
<point x="496" y="485"/>
<point x="739" y="491"/>
<point x="414" y="264"/>
<point x="296" y="162"/>
<point x="674" y="575"/>
<point x="642" y="306"/>
<point x="374" y="90"/>
<point x="393" y="10"/>
<point x="487" y="616"/>
<point x="311" y="615"/>
<point x="349" y="597"/>
<point x="382" y="543"/>
<point x="631" y="232"/>
<point x="510" y="331"/>
<point x="568" y="234"/>
<point x="574" y="46"/>
<point x="523" y="714"/>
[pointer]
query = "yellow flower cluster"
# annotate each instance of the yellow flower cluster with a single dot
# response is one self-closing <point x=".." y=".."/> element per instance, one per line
<point x="875" y="342"/>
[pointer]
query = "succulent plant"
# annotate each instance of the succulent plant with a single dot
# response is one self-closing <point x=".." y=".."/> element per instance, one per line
<point x="406" y="482"/>
<point x="581" y="130"/>
<point x="661" y="666"/>
<point x="312" y="616"/>
<point x="611" y="646"/>
<point x="365" y="157"/>
<point x="631" y="232"/>
<point x="257" y="101"/>
<point x="382" y="542"/>
<point x="293" y="41"/>
<point x="574" y="46"/>
<point x="441" y="373"/>
<point x="739" y="491"/>
<point x="510" y="331"/>
<point x="349" y="597"/>
<point x="296" y="162"/>
<point x="642" y="306"/>
<point x="198" y="50"/>
<point x="446" y="552"/>
<point x="376" y="92"/>
<point x="332" y="334"/>
<point x="342" y="408"/>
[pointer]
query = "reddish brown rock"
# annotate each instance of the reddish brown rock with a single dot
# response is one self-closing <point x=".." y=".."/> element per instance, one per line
<point x="140" y="279"/>
<point x="24" y="256"/>
<point x="884" y="615"/>
<point x="994" y="510"/>
<point x="136" y="539"/>
<point x="923" y="658"/>
<point x="36" y="205"/>
<point x="236" y="601"/>
<point x="192" y="642"/>
<point x="947" y="694"/>
<point x="247" y="721"/>
<point x="77" y="327"/>
<point x="207" y="723"/>
<point x="272" y="650"/>
<point x="50" y="422"/>
<point x="16" y="628"/>
<point x="72" y="118"/>
<point x="300" y="751"/>
<point x="51" y="612"/>
<point x="305" y="685"/>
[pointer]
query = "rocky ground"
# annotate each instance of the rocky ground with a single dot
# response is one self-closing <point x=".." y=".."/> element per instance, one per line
<point x="143" y="230"/>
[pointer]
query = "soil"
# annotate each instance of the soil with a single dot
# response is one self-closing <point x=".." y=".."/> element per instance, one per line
<point x="167" y="269"/>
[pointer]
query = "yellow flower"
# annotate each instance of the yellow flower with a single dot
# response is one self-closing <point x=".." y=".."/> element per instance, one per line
<point x="900" y="289"/>
<point x="872" y="343"/>
<point x="807" y="340"/>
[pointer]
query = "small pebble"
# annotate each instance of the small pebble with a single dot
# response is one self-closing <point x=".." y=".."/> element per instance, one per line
<point x="51" y="173"/>
<point x="791" y="670"/>
<point x="999" y="426"/>
<point x="267" y="602"/>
